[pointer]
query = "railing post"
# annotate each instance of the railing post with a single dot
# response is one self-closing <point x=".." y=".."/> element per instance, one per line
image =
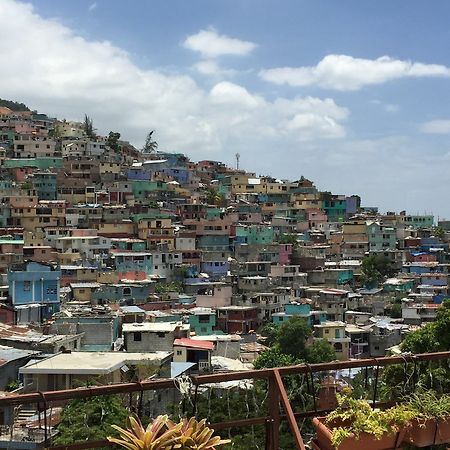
<point x="289" y="412"/>
<point x="274" y="412"/>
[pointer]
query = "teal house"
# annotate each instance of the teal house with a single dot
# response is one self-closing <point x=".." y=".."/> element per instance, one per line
<point x="335" y="207"/>
<point x="299" y="309"/>
<point x="254" y="235"/>
<point x="202" y="321"/>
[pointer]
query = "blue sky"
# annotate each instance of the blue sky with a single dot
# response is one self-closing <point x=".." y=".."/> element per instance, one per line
<point x="352" y="94"/>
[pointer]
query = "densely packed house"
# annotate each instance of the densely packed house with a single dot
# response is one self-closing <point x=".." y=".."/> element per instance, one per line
<point x="108" y="248"/>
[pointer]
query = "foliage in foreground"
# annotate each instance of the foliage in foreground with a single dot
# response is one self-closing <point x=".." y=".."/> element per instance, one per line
<point x="90" y="419"/>
<point x="163" y="434"/>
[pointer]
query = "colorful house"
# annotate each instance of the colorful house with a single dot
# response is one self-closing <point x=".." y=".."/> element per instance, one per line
<point x="202" y="321"/>
<point x="299" y="309"/>
<point x="35" y="284"/>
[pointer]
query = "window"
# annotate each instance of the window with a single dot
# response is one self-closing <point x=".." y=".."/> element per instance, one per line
<point x="137" y="336"/>
<point x="179" y="352"/>
<point x="327" y="331"/>
<point x="27" y="286"/>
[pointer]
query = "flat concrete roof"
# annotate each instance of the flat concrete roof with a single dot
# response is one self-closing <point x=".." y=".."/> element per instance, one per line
<point x="89" y="363"/>
<point x="153" y="327"/>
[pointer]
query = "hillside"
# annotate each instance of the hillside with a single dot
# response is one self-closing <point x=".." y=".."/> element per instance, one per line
<point x="14" y="106"/>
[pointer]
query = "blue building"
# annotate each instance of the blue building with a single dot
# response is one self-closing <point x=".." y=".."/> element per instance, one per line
<point x="35" y="286"/>
<point x="133" y="262"/>
<point x="139" y="173"/>
<point x="215" y="269"/>
<point x="45" y="185"/>
<point x="179" y="174"/>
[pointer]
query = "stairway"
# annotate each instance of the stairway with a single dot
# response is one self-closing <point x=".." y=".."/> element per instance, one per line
<point x="26" y="413"/>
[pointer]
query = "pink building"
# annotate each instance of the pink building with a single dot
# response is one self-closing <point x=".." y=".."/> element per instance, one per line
<point x="285" y="254"/>
<point x="316" y="218"/>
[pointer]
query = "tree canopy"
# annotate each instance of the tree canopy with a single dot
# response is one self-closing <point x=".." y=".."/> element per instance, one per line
<point x="290" y="344"/>
<point x="374" y="269"/>
<point x="113" y="141"/>
<point x="90" y="419"/>
<point x="150" y="145"/>
<point x="88" y="126"/>
<point x="14" y="106"/>
<point x="293" y="335"/>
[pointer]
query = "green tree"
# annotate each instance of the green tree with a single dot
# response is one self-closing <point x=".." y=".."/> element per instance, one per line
<point x="214" y="197"/>
<point x="293" y="335"/>
<point x="14" y="106"/>
<point x="90" y="419"/>
<point x="273" y="357"/>
<point x="442" y="325"/>
<point x="270" y="332"/>
<point x="150" y="145"/>
<point x="439" y="232"/>
<point x="164" y="288"/>
<point x="423" y="340"/>
<point x="288" y="238"/>
<point x="320" y="351"/>
<point x="113" y="141"/>
<point x="26" y="185"/>
<point x="374" y="269"/>
<point x="396" y="311"/>
<point x="88" y="126"/>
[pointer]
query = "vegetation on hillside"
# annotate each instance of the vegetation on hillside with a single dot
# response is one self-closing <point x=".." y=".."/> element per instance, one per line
<point x="14" y="106"/>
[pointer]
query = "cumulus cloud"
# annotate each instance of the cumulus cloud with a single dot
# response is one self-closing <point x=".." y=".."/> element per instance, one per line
<point x="212" y="68"/>
<point x="436" y="127"/>
<point x="345" y="73"/>
<point x="210" y="44"/>
<point x="74" y="76"/>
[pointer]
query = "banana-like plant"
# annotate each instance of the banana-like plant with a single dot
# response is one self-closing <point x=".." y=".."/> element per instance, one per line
<point x="196" y="435"/>
<point x="163" y="434"/>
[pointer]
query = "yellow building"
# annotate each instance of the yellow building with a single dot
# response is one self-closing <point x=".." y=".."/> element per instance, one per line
<point x="334" y="333"/>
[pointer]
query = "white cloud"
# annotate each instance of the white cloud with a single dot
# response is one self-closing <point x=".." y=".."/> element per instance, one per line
<point x="345" y="73"/>
<point x="211" y="44"/>
<point x="212" y="68"/>
<point x="305" y="122"/>
<point x="74" y="76"/>
<point x="226" y="93"/>
<point x="92" y="6"/>
<point x="436" y="127"/>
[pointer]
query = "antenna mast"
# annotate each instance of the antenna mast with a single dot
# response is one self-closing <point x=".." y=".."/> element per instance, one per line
<point x="237" y="160"/>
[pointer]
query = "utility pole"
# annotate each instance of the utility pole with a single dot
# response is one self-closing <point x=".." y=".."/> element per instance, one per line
<point x="237" y="160"/>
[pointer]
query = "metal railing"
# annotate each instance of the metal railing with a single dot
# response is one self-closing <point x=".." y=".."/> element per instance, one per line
<point x="276" y="395"/>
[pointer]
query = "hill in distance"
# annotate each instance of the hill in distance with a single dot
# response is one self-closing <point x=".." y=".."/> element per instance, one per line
<point x="14" y="106"/>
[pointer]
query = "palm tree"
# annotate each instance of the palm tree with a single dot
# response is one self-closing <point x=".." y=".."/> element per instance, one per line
<point x="214" y="197"/>
<point x="150" y="145"/>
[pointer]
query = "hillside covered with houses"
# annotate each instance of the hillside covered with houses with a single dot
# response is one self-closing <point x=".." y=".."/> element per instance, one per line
<point x="113" y="256"/>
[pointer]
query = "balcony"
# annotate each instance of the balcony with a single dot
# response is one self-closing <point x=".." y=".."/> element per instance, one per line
<point x="273" y="419"/>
